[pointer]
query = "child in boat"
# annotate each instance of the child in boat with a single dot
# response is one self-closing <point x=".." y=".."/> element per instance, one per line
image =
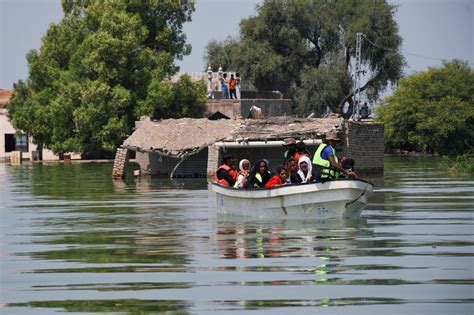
<point x="301" y="151"/>
<point x="291" y="169"/>
<point x="279" y="178"/>
<point x="348" y="165"/>
<point x="244" y="172"/>
<point x="259" y="175"/>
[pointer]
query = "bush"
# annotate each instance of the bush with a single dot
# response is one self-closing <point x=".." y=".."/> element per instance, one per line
<point x="432" y="111"/>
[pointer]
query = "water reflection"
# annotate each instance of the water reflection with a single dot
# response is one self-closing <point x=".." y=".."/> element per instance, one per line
<point x="74" y="240"/>
<point x="125" y="306"/>
<point x="290" y="238"/>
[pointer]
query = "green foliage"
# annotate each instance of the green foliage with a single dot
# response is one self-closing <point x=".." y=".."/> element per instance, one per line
<point x="320" y="90"/>
<point x="167" y="100"/>
<point x="460" y="164"/>
<point x="288" y="41"/>
<point x="96" y="66"/>
<point x="432" y="111"/>
<point x="221" y="54"/>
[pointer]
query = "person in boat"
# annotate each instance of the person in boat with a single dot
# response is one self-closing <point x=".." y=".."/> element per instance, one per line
<point x="301" y="151"/>
<point x="279" y="179"/>
<point x="259" y="175"/>
<point x="325" y="159"/>
<point x="290" y="148"/>
<point x="244" y="172"/>
<point x="347" y="164"/>
<point x="305" y="172"/>
<point x="291" y="169"/>
<point x="226" y="173"/>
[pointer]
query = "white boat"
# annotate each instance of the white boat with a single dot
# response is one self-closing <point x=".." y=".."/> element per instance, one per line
<point x="332" y="199"/>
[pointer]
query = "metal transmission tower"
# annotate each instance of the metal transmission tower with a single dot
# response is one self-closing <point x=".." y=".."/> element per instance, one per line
<point x="355" y="108"/>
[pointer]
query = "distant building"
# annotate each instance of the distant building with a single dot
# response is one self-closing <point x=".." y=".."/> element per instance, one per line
<point x="11" y="140"/>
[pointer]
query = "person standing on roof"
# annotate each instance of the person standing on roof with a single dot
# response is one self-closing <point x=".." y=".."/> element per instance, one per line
<point x="325" y="159"/>
<point x="232" y="87"/>
<point x="224" y="86"/>
<point x="226" y="173"/>
<point x="238" y="80"/>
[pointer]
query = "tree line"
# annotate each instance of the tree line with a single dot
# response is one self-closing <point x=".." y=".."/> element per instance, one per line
<point x="102" y="67"/>
<point x="109" y="62"/>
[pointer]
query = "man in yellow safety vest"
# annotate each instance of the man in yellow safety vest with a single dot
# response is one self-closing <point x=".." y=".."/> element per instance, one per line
<point x="326" y="161"/>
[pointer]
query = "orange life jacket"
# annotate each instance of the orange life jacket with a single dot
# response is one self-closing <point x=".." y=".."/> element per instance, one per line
<point x="232" y="173"/>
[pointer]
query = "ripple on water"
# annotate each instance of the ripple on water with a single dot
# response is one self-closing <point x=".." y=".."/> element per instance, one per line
<point x="76" y="241"/>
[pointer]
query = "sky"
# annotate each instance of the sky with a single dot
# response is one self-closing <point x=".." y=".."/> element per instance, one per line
<point x="432" y="30"/>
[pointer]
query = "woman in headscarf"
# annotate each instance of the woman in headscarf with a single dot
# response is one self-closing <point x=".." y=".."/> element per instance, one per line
<point x="259" y="175"/>
<point x="305" y="172"/>
<point x="244" y="172"/>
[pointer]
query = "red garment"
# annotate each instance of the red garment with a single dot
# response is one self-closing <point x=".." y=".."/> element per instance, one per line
<point x="298" y="155"/>
<point x="274" y="181"/>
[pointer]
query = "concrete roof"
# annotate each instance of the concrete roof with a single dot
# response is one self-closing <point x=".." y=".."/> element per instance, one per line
<point x="185" y="136"/>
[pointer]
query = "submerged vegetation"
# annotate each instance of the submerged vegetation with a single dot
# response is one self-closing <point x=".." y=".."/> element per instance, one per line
<point x="432" y="111"/>
<point x="460" y="164"/>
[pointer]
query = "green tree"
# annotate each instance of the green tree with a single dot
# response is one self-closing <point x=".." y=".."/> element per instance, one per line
<point x="432" y="111"/>
<point x="182" y="99"/>
<point x="304" y="49"/>
<point x="96" y="67"/>
<point x="220" y="53"/>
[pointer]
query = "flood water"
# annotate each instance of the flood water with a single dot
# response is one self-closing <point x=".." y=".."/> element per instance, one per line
<point x="73" y="241"/>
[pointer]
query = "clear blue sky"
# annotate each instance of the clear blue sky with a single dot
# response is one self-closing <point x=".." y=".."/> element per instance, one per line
<point x="431" y="30"/>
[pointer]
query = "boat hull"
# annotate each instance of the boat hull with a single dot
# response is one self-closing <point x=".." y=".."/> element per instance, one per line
<point x="333" y="199"/>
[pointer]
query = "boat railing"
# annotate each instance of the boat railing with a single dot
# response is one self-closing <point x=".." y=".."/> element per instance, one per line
<point x="293" y="184"/>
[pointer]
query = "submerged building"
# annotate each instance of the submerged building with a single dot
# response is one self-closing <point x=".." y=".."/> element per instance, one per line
<point x="16" y="142"/>
<point x="190" y="147"/>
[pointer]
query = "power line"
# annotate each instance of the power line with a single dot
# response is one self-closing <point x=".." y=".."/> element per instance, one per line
<point x="406" y="53"/>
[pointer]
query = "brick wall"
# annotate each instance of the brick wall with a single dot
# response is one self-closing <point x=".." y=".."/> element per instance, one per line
<point x="365" y="144"/>
<point x="120" y="163"/>
<point x="213" y="159"/>
<point x="230" y="108"/>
